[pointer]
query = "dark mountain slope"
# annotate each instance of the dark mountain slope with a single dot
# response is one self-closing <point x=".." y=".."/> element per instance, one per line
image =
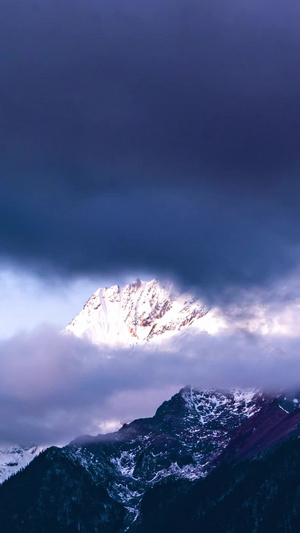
<point x="254" y="496"/>
<point x="52" y="495"/>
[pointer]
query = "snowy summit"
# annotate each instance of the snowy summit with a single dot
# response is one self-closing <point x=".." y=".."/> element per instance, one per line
<point x="135" y="313"/>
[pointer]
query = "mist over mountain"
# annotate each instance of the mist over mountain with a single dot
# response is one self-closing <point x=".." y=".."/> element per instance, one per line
<point x="129" y="349"/>
<point x="126" y="344"/>
<point x="152" y="340"/>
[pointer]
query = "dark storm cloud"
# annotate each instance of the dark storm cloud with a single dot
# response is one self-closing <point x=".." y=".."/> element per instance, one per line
<point x="54" y="387"/>
<point x="161" y="135"/>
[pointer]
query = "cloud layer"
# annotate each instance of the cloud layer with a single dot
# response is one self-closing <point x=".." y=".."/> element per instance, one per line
<point x="55" y="387"/>
<point x="159" y="136"/>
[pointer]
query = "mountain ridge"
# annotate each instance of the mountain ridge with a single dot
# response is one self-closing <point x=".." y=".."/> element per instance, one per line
<point x="191" y="437"/>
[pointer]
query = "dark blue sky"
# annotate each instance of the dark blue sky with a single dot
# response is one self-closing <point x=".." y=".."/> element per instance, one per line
<point x="158" y="135"/>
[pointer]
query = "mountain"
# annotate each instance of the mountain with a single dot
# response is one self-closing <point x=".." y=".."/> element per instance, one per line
<point x="253" y="487"/>
<point x="146" y="311"/>
<point x="144" y="476"/>
<point x="181" y="440"/>
<point x="137" y="313"/>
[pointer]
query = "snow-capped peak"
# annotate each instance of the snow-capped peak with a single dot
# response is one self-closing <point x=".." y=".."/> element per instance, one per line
<point x="135" y="313"/>
<point x="13" y="458"/>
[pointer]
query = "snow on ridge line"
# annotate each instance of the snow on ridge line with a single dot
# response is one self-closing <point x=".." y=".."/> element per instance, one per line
<point x="204" y="406"/>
